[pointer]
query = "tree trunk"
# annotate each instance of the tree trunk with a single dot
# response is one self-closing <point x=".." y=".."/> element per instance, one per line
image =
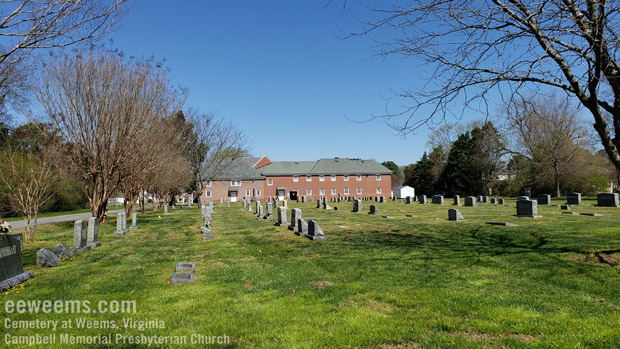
<point x="34" y="229"/>
<point x="165" y="207"/>
<point x="556" y="179"/>
<point x="130" y="203"/>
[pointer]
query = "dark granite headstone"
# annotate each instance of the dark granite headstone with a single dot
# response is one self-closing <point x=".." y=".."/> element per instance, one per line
<point x="607" y="199"/>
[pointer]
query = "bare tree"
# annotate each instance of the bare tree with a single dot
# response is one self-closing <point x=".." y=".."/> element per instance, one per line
<point x="102" y="105"/>
<point x="29" y="25"/>
<point x="478" y="48"/>
<point x="29" y="180"/>
<point x="208" y="143"/>
<point x="548" y="132"/>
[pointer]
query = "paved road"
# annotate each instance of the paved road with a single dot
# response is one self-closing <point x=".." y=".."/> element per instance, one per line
<point x="58" y="219"/>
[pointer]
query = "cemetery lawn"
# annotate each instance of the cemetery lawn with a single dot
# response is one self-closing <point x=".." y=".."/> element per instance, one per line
<point x="401" y="282"/>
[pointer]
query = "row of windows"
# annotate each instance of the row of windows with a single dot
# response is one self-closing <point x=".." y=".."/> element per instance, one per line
<point x="309" y="192"/>
<point x="237" y="183"/>
<point x="322" y="178"/>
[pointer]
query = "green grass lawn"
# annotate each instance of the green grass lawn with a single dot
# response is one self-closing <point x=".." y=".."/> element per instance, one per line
<point x="391" y="283"/>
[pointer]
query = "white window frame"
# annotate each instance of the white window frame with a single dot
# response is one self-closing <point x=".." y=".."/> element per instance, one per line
<point x="378" y="177"/>
<point x="359" y="191"/>
<point x="308" y="191"/>
<point x="346" y="191"/>
<point x="322" y="191"/>
<point x="235" y="183"/>
<point x="247" y="192"/>
<point x="345" y="178"/>
<point x="358" y="177"/>
<point x="295" y="178"/>
<point x="334" y="191"/>
<point x="378" y="190"/>
<point x="270" y="181"/>
<point x="208" y="193"/>
<point x="322" y="178"/>
<point x="257" y="192"/>
<point x="333" y="178"/>
<point x="308" y="178"/>
<point x="208" y="184"/>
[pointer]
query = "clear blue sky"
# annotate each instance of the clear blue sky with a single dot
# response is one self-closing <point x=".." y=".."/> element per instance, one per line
<point x="278" y="70"/>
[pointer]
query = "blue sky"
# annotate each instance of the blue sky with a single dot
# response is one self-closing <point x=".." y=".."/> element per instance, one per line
<point x="278" y="70"/>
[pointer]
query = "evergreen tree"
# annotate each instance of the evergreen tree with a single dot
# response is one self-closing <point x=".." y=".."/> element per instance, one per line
<point x="460" y="175"/>
<point x="422" y="178"/>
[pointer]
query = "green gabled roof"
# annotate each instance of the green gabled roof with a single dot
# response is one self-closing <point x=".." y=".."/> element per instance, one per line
<point x="233" y="169"/>
<point x="348" y="167"/>
<point x="324" y="167"/>
<point x="288" y="168"/>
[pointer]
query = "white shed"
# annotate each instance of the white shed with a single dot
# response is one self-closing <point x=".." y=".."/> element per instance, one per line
<point x="403" y="191"/>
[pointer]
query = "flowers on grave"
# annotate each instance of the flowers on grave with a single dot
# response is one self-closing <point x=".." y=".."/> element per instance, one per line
<point x="5" y="227"/>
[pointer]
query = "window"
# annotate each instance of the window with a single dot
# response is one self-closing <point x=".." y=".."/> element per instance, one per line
<point x="270" y="181"/>
<point x="208" y="184"/>
<point x="308" y="191"/>
<point x="358" y="177"/>
<point x="322" y="191"/>
<point x="346" y="178"/>
<point x="321" y="178"/>
<point x="235" y="183"/>
<point x="308" y="178"/>
<point x="359" y="191"/>
<point x="378" y="190"/>
<point x="333" y="178"/>
<point x="333" y="191"/>
<point x="295" y="178"/>
<point x="247" y="193"/>
<point x="346" y="191"/>
<point x="378" y="177"/>
<point x="257" y="192"/>
<point x="208" y="193"/>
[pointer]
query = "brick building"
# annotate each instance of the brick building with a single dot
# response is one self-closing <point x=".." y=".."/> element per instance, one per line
<point x="261" y="178"/>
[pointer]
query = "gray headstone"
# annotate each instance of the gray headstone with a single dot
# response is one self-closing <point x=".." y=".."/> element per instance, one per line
<point x="422" y="199"/>
<point x="134" y="221"/>
<point x="295" y="216"/>
<point x="121" y="224"/>
<point x="314" y="231"/>
<point x="470" y="201"/>
<point x="47" y="258"/>
<point x="500" y="201"/>
<point x="182" y="278"/>
<point x="62" y="251"/>
<point x="485" y="199"/>
<point x="357" y="206"/>
<point x="93" y="230"/>
<point x="185" y="267"/>
<point x="79" y="234"/>
<point x="282" y="216"/>
<point x="227" y="203"/>
<point x="607" y="199"/>
<point x="455" y="215"/>
<point x="527" y="208"/>
<point x="326" y="206"/>
<point x="437" y="199"/>
<point x="374" y="210"/>
<point x="457" y="200"/>
<point x="573" y="198"/>
<point x="302" y="227"/>
<point x="480" y="198"/>
<point x="544" y="199"/>
<point x="408" y="200"/>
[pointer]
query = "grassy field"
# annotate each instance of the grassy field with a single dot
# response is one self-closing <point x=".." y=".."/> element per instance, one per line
<point x="403" y="282"/>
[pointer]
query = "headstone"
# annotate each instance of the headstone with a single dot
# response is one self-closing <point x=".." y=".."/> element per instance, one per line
<point x="295" y="215"/>
<point x="134" y="221"/>
<point x="565" y="207"/>
<point x="256" y="205"/>
<point x="408" y="200"/>
<point x="227" y="203"/>
<point x="121" y="224"/>
<point x="374" y="210"/>
<point x="303" y="199"/>
<point x="314" y="231"/>
<point x="422" y="199"/>
<point x="318" y="204"/>
<point x="79" y="234"/>
<point x="455" y="215"/>
<point x="221" y="201"/>
<point x="11" y="261"/>
<point x="182" y="278"/>
<point x="357" y="206"/>
<point x="260" y="210"/>
<point x="285" y="202"/>
<point x="47" y="258"/>
<point x="437" y="199"/>
<point x="544" y="199"/>
<point x="607" y="199"/>
<point x="326" y="206"/>
<point x="527" y="192"/>
<point x="573" y="199"/>
<point x="185" y="267"/>
<point x="485" y="199"/>
<point x="302" y="228"/>
<point x="527" y="208"/>
<point x="500" y="201"/>
<point x="457" y="200"/>
<point x="62" y="251"/>
<point x="282" y="216"/>
<point x="493" y="201"/>
<point x="92" y="236"/>
<point x="269" y="210"/>
<point x="470" y="201"/>
<point x="480" y="198"/>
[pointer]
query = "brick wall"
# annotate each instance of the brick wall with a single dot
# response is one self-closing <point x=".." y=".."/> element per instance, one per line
<point x="219" y="189"/>
<point x="368" y="184"/>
